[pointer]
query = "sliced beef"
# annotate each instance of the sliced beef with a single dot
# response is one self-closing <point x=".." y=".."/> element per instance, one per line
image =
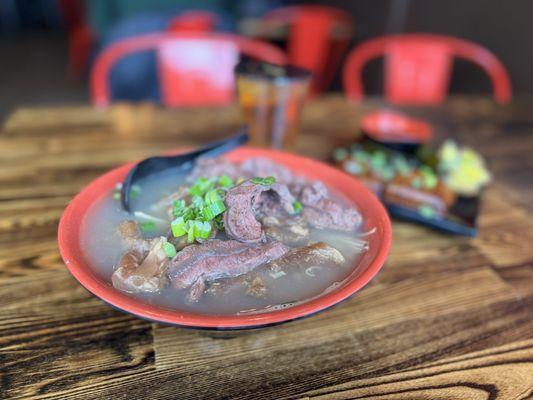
<point x="215" y="167"/>
<point x="322" y="212"/>
<point x="263" y="167"/>
<point x="315" y="255"/>
<point x="293" y="231"/>
<point x="252" y="284"/>
<point x="139" y="271"/>
<point x="245" y="201"/>
<point x="215" y="259"/>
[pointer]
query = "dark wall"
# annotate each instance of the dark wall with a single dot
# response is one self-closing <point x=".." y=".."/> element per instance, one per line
<point x="504" y="27"/>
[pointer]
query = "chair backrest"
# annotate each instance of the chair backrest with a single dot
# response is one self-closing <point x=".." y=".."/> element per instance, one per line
<point x="418" y="67"/>
<point x="194" y="68"/>
<point x="193" y="21"/>
<point x="318" y="37"/>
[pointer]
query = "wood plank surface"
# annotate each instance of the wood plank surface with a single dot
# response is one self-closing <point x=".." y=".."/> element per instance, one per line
<point x="447" y="318"/>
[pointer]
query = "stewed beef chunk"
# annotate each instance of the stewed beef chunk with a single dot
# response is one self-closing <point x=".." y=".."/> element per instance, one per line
<point x="197" y="265"/>
<point x="243" y="202"/>
<point x="322" y="212"/>
<point x="315" y="255"/>
<point x="139" y="271"/>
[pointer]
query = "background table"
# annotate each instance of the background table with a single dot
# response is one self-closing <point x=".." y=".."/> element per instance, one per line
<point x="448" y="317"/>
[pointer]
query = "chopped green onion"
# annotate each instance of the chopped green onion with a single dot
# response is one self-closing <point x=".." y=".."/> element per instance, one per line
<point x="429" y="178"/>
<point x="190" y="232"/>
<point x="135" y="191"/>
<point x="387" y="173"/>
<point x="201" y="229"/>
<point x="360" y="155"/>
<point x="269" y="180"/>
<point x="178" y="227"/>
<point x="297" y="206"/>
<point x="197" y="202"/>
<point x="426" y="211"/>
<point x="353" y="167"/>
<point x="170" y="250"/>
<point x="340" y="154"/>
<point x="219" y="222"/>
<point x="239" y="181"/>
<point x="212" y="210"/>
<point x="379" y="160"/>
<point x="178" y="207"/>
<point x="225" y="181"/>
<point x="201" y="186"/>
<point x="212" y="196"/>
<point x="147" y="227"/>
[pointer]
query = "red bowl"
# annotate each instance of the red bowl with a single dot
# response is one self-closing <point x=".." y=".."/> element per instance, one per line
<point x="393" y="127"/>
<point x="355" y="192"/>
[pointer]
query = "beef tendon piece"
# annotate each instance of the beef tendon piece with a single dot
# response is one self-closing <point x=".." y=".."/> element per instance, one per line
<point x="131" y="235"/>
<point x="215" y="259"/>
<point x="322" y="212"/>
<point x="315" y="255"/>
<point x="292" y="231"/>
<point x="142" y="271"/>
<point x="242" y="201"/>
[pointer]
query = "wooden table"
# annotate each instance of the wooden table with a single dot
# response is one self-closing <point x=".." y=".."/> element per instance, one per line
<point x="448" y="318"/>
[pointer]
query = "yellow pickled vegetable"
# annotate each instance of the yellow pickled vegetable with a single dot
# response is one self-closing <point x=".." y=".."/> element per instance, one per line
<point x="463" y="169"/>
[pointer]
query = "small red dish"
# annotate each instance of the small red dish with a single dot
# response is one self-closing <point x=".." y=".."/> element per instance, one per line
<point x="392" y="127"/>
<point x="368" y="266"/>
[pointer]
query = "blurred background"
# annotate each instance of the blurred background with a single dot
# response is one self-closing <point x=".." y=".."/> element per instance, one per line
<point x="49" y="47"/>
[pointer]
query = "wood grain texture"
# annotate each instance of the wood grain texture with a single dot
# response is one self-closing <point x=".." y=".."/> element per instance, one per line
<point x="447" y="318"/>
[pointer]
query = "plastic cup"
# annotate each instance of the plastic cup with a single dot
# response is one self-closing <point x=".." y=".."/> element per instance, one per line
<point x="271" y="99"/>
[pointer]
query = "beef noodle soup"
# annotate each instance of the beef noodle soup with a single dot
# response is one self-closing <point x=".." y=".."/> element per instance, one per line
<point x="225" y="239"/>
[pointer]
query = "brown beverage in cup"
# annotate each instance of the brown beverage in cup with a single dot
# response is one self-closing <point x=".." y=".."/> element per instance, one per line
<point x="271" y="99"/>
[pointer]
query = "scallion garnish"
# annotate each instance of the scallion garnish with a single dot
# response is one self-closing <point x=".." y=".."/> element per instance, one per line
<point x="135" y="191"/>
<point x="212" y="196"/>
<point x="147" y="227"/>
<point x="210" y="211"/>
<point x="297" y="206"/>
<point x="202" y="229"/>
<point x="170" y="250"/>
<point x="201" y="186"/>
<point x="178" y="207"/>
<point x="226" y="182"/>
<point x="206" y="204"/>
<point x="269" y="180"/>
<point x="178" y="227"/>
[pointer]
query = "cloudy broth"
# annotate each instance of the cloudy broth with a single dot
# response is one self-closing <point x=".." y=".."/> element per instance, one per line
<point x="103" y="248"/>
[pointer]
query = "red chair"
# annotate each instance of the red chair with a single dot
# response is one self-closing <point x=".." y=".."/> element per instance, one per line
<point x="80" y="36"/>
<point x="418" y="67"/>
<point x="193" y="21"/>
<point x="318" y="38"/>
<point x="194" y="68"/>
